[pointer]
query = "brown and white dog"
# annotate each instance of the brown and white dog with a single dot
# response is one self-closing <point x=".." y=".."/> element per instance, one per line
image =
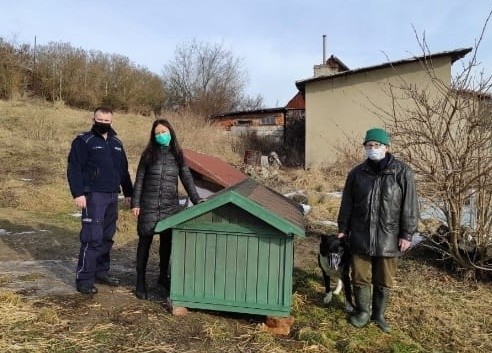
<point x="334" y="260"/>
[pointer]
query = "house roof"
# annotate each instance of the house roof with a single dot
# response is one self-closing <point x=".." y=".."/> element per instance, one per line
<point x="213" y="168"/>
<point x="454" y="55"/>
<point x="249" y="112"/>
<point x="296" y="102"/>
<point x="264" y="203"/>
<point x="336" y="63"/>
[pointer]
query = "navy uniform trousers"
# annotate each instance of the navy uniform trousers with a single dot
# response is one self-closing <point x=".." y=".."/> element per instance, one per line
<point x="96" y="236"/>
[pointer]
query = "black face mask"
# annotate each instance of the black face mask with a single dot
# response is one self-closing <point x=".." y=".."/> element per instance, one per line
<point x="102" y="128"/>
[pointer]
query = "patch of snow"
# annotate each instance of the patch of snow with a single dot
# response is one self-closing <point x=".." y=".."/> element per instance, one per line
<point x="337" y="194"/>
<point x="293" y="193"/>
<point x="328" y="223"/>
<point x="76" y="214"/>
<point x="417" y="238"/>
<point x="26" y="232"/>
<point x="6" y="232"/>
<point x="26" y="179"/>
<point x="305" y="208"/>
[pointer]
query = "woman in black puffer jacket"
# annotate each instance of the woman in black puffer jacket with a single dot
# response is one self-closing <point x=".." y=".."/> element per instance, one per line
<point x="155" y="197"/>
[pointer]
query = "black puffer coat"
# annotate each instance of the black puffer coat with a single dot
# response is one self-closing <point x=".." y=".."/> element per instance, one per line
<point x="156" y="189"/>
<point x="379" y="208"/>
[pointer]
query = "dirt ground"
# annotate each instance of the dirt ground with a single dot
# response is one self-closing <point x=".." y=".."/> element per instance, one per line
<point x="40" y="266"/>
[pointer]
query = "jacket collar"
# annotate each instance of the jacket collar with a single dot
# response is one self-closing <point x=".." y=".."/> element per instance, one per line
<point x="111" y="132"/>
<point x="388" y="168"/>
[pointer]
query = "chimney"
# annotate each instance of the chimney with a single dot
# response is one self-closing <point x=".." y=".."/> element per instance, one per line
<point x="324" y="50"/>
<point x="323" y="69"/>
<point x="329" y="66"/>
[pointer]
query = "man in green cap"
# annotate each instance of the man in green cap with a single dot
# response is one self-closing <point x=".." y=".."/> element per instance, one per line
<point x="378" y="214"/>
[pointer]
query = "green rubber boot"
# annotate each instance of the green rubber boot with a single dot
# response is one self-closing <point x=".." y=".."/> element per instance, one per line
<point x="380" y="299"/>
<point x="361" y="316"/>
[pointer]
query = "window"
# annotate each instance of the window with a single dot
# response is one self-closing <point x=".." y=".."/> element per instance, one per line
<point x="268" y="120"/>
<point x="244" y="122"/>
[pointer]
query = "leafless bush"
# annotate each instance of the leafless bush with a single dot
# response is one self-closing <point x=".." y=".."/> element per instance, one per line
<point x="446" y="136"/>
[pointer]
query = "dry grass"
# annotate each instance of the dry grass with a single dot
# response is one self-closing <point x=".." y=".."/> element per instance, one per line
<point x="431" y="311"/>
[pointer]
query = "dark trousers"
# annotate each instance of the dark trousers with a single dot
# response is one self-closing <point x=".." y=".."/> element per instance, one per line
<point x="96" y="236"/>
<point x="143" y="249"/>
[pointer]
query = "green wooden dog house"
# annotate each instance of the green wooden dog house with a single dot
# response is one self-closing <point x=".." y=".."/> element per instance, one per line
<point x="234" y="252"/>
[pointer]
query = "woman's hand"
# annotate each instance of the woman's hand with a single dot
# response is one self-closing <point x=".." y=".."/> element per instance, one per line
<point x="136" y="211"/>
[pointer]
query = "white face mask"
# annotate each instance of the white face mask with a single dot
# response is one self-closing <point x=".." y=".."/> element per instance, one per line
<point x="376" y="154"/>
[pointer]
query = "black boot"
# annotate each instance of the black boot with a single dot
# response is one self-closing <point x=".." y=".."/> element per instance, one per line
<point x="164" y="257"/>
<point x="141" y="289"/>
<point x="164" y="280"/>
<point x="380" y="299"/>
<point x="362" y="295"/>
<point x="143" y="249"/>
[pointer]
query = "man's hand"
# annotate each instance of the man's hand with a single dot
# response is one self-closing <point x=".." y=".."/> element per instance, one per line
<point x="136" y="211"/>
<point x="404" y="244"/>
<point x="80" y="202"/>
<point x="340" y="235"/>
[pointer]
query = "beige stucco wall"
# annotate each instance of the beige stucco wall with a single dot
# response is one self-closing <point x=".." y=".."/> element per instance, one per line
<point x="341" y="109"/>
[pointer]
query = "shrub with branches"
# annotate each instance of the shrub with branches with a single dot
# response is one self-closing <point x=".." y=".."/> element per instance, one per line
<point x="446" y="136"/>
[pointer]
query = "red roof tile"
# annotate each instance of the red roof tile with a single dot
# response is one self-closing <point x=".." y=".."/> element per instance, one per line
<point x="213" y="168"/>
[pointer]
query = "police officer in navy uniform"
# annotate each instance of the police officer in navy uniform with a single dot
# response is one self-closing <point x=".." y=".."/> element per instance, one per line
<point x="97" y="168"/>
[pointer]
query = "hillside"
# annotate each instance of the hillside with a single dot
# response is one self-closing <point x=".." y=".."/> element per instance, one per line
<point x="431" y="310"/>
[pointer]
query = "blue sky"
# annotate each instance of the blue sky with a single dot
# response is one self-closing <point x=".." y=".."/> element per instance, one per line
<point x="278" y="41"/>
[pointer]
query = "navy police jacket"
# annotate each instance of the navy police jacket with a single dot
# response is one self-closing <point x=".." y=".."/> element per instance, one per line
<point x="96" y="164"/>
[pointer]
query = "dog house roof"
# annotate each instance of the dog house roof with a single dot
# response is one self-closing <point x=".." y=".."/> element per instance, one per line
<point x="213" y="169"/>
<point x="264" y="203"/>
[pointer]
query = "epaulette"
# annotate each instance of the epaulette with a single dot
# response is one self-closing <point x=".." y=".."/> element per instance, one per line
<point x="117" y="139"/>
<point x="86" y="136"/>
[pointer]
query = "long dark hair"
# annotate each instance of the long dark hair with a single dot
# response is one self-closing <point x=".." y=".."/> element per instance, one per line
<point x="151" y="151"/>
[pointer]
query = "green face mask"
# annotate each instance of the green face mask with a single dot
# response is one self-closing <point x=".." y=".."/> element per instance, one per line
<point x="163" y="139"/>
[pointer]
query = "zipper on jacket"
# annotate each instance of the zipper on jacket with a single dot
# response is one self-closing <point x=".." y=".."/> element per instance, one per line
<point x="375" y="209"/>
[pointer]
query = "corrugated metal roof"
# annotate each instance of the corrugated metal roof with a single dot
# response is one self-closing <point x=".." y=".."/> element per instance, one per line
<point x="213" y="168"/>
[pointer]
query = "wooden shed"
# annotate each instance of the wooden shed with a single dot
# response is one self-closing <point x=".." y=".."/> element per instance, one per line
<point x="234" y="252"/>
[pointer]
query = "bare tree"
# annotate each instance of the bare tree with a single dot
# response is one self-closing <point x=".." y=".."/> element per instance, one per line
<point x="15" y="69"/>
<point x="86" y="79"/>
<point x="446" y="136"/>
<point x="207" y="79"/>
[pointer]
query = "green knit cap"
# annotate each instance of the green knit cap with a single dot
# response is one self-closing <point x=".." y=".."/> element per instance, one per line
<point x="378" y="135"/>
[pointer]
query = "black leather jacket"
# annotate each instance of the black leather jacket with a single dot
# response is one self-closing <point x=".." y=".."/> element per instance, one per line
<point x="378" y="208"/>
<point x="156" y="190"/>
